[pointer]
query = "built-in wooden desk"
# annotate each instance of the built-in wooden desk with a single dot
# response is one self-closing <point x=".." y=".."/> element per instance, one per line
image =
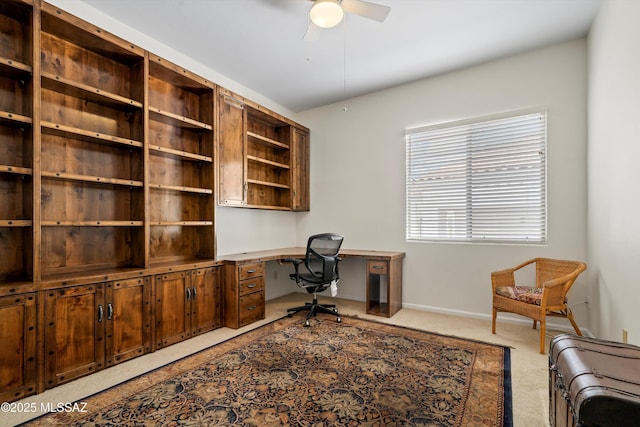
<point x="244" y="281"/>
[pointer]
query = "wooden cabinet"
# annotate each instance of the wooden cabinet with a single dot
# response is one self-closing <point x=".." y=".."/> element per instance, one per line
<point x="300" y="170"/>
<point x="187" y="303"/>
<point x="74" y="332"/>
<point x="232" y="163"/>
<point x="17" y="102"/>
<point x="384" y="286"/>
<point x="258" y="164"/>
<point x="244" y="301"/>
<point x="127" y="319"/>
<point x="93" y="326"/>
<point x="18" y="369"/>
<point x="180" y="163"/>
<point x="92" y="198"/>
<point x="206" y="300"/>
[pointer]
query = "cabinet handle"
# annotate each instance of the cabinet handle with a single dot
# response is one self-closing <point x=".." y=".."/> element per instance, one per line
<point x="253" y="307"/>
<point x="251" y="271"/>
<point x="195" y="293"/>
<point x="100" y="312"/>
<point x="109" y="311"/>
<point x="252" y="285"/>
<point x="378" y="267"/>
<point x="188" y="294"/>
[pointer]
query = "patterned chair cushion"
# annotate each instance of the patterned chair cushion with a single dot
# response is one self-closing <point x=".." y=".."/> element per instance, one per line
<point x="526" y="294"/>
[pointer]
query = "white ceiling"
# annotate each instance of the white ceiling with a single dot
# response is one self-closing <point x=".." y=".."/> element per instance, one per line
<point x="258" y="43"/>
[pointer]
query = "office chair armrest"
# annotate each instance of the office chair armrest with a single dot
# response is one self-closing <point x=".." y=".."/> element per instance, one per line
<point x="296" y="263"/>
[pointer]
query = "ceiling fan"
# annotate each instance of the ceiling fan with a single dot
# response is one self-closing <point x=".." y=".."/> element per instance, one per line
<point x="329" y="13"/>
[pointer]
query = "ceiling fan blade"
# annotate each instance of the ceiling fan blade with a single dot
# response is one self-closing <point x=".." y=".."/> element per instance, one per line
<point x="374" y="11"/>
<point x="312" y="34"/>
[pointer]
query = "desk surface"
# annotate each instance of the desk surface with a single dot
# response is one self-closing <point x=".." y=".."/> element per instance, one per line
<point x="299" y="252"/>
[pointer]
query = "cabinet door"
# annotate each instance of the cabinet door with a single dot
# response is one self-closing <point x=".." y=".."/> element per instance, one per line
<point x="231" y="151"/>
<point x="128" y="318"/>
<point x="18" y="349"/>
<point x="300" y="169"/>
<point x="74" y="333"/>
<point x="173" y="308"/>
<point x="206" y="307"/>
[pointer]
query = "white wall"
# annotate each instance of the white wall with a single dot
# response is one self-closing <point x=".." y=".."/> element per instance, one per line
<point x="358" y="173"/>
<point x="614" y="172"/>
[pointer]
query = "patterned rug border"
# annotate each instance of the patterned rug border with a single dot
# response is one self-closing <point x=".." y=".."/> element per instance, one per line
<point x="507" y="415"/>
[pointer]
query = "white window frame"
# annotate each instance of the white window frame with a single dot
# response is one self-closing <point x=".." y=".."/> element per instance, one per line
<point x="460" y="189"/>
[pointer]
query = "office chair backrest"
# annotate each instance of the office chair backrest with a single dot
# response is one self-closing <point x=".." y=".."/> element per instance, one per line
<point x="321" y="258"/>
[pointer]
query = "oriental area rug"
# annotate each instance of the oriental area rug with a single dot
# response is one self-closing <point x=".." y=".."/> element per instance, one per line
<point x="354" y="373"/>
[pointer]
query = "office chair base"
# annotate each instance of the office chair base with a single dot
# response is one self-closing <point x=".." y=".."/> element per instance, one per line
<point x="314" y="308"/>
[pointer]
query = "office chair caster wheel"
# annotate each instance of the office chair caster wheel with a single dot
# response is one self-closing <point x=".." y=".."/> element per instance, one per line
<point x="339" y="319"/>
<point x="307" y="323"/>
<point x="289" y="315"/>
<point x="335" y="310"/>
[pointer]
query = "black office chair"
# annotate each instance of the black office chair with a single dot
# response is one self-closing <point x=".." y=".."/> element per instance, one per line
<point x="321" y="261"/>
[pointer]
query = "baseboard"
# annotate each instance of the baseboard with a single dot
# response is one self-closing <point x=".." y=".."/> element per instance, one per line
<point x="521" y="320"/>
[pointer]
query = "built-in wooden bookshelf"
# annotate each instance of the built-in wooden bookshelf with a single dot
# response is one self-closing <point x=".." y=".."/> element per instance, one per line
<point x="256" y="157"/>
<point x="108" y="159"/>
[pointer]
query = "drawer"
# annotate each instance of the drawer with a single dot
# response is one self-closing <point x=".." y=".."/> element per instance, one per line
<point x="248" y="271"/>
<point x="378" y="267"/>
<point x="251" y="308"/>
<point x="251" y="285"/>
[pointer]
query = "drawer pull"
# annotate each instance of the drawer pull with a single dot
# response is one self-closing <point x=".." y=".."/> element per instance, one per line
<point x="253" y="307"/>
<point x="378" y="267"/>
<point x="252" y="285"/>
<point x="188" y="294"/>
<point x="109" y="311"/>
<point x="100" y="313"/>
<point x="251" y="271"/>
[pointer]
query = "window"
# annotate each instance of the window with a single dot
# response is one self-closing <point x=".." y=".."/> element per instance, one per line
<point x="478" y="181"/>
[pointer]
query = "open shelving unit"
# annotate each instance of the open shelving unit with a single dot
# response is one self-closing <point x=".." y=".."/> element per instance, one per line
<point x="92" y="157"/>
<point x="269" y="161"/>
<point x="16" y="133"/>
<point x="181" y="166"/>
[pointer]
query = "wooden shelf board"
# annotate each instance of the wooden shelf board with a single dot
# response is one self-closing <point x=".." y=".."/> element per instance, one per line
<point x="177" y="120"/>
<point x="175" y="75"/>
<point x="61" y="24"/>
<point x="16" y="223"/>
<point x="268" y="162"/>
<point x="92" y="179"/>
<point x="94" y="223"/>
<point x="16" y="170"/>
<point x="82" y="91"/>
<point x="13" y="119"/>
<point x="14" y="68"/>
<point x="268" y="184"/>
<point x="181" y="223"/>
<point x="182" y="154"/>
<point x="267" y="141"/>
<point x="268" y="207"/>
<point x="181" y="189"/>
<point x="73" y="132"/>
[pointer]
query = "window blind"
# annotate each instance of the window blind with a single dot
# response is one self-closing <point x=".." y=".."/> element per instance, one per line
<point x="481" y="180"/>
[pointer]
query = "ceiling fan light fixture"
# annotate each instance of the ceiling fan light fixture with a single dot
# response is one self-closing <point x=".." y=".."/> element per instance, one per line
<point x="326" y="13"/>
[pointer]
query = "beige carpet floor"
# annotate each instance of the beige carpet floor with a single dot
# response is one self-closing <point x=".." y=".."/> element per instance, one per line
<point x="529" y="368"/>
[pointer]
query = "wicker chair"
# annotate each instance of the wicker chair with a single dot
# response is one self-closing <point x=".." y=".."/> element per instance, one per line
<point x="554" y="278"/>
